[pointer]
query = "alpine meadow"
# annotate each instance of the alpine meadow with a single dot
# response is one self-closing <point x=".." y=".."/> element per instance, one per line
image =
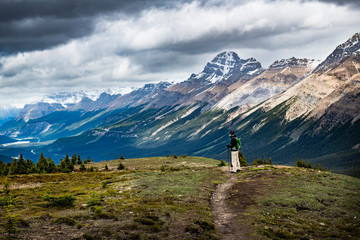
<point x="106" y="132"/>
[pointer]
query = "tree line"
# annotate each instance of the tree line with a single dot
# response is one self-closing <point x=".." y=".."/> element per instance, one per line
<point x="303" y="164"/>
<point x="44" y="165"/>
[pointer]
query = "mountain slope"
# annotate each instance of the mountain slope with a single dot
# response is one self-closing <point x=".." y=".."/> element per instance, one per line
<point x="277" y="78"/>
<point x="286" y="111"/>
<point x="212" y="84"/>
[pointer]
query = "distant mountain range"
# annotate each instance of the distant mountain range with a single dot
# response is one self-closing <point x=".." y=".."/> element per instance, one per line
<point x="302" y="108"/>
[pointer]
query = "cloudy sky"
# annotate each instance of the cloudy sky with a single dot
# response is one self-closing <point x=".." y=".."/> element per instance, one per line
<point x="49" y="46"/>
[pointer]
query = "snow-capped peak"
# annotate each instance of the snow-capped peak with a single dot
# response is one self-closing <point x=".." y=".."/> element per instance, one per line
<point x="225" y="65"/>
<point x="226" y="61"/>
<point x="344" y="50"/>
<point x="295" y="63"/>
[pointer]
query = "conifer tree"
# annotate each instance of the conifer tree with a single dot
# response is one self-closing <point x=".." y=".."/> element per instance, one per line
<point x="6" y="169"/>
<point x="82" y="167"/>
<point x="42" y="164"/>
<point x="74" y="159"/>
<point x="309" y="165"/>
<point x="2" y="165"/>
<point x="270" y="161"/>
<point x="30" y="165"/>
<point x="68" y="163"/>
<point x="52" y="166"/>
<point x="120" y="166"/>
<point x="13" y="169"/>
<point x="242" y="160"/>
<point x="79" y="160"/>
<point x="63" y="166"/>
<point x="21" y="165"/>
<point x="320" y="167"/>
<point x="122" y="157"/>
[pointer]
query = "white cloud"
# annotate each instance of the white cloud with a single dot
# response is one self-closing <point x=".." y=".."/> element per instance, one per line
<point x="149" y="47"/>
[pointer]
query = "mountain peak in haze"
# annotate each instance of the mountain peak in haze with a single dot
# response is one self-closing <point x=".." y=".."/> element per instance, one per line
<point x="344" y="50"/>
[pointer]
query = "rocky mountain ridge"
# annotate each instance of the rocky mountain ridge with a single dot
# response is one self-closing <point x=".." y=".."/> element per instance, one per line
<point x="343" y="51"/>
<point x="286" y="111"/>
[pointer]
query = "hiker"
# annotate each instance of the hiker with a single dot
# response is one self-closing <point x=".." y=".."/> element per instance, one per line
<point x="234" y="148"/>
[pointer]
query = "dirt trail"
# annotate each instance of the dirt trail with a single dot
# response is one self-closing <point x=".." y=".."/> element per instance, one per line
<point x="226" y="220"/>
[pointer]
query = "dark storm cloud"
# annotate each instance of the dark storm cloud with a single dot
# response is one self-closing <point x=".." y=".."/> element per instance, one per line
<point x="355" y="3"/>
<point x="40" y="24"/>
<point x="100" y="44"/>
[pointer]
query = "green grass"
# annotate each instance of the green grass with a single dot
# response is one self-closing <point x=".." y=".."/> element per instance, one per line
<point x="169" y="198"/>
<point x="138" y="201"/>
<point x="304" y="204"/>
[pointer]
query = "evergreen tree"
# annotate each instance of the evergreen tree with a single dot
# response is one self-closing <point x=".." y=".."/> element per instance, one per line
<point x="52" y="166"/>
<point x="270" y="161"/>
<point x="67" y="159"/>
<point x="242" y="160"/>
<point x="74" y="159"/>
<point x="2" y="166"/>
<point x="79" y="160"/>
<point x="254" y="163"/>
<point x="122" y="157"/>
<point x="320" y="167"/>
<point x="309" y="165"/>
<point x="68" y="163"/>
<point x="42" y="164"/>
<point x="13" y="167"/>
<point x="82" y="167"/>
<point x="106" y="167"/>
<point x="87" y="160"/>
<point x="6" y="169"/>
<point x="120" y="166"/>
<point x="30" y="166"/>
<point x="21" y="165"/>
<point x="63" y="166"/>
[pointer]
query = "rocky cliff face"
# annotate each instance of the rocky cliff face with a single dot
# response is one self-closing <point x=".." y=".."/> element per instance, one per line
<point x="329" y="82"/>
<point x="342" y="52"/>
<point x="277" y="78"/>
<point x="212" y="83"/>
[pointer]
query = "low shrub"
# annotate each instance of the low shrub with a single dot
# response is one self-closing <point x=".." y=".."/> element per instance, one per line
<point x="222" y="163"/>
<point x="66" y="200"/>
<point x="65" y="220"/>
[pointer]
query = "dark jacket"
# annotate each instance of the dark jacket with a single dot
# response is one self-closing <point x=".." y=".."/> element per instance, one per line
<point x="233" y="142"/>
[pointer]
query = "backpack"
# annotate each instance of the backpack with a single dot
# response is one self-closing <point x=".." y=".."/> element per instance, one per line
<point x="238" y="144"/>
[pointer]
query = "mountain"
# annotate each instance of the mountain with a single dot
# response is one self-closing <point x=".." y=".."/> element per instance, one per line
<point x="343" y="51"/>
<point x="317" y="118"/>
<point x="89" y="105"/>
<point x="36" y="110"/>
<point x="141" y="96"/>
<point x="274" y="80"/>
<point x="68" y="99"/>
<point x="177" y="125"/>
<point x="294" y="108"/>
<point x="8" y="113"/>
<point x="213" y="83"/>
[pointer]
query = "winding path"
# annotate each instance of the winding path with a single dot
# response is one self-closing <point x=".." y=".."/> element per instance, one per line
<point x="225" y="218"/>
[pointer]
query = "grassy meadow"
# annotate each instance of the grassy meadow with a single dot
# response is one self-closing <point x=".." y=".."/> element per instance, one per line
<point x="169" y="198"/>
